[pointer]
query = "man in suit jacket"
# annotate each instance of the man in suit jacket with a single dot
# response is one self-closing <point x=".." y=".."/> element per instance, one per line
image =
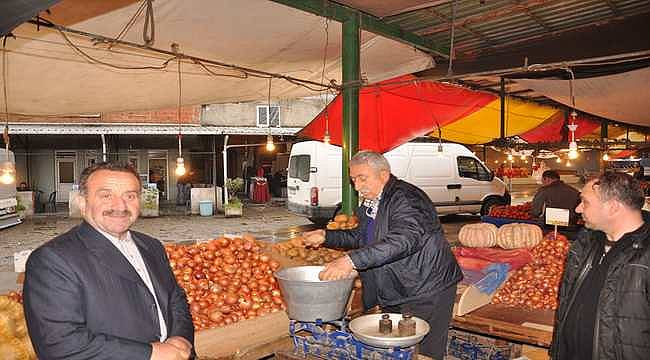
<point x="101" y="291"/>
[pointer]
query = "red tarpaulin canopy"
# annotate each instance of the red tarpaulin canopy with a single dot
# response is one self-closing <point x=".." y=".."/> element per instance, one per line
<point x="395" y="111"/>
<point x="551" y="131"/>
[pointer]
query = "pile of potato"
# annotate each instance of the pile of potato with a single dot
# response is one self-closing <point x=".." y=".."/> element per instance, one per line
<point x="295" y="249"/>
<point x="343" y="222"/>
<point x="14" y="340"/>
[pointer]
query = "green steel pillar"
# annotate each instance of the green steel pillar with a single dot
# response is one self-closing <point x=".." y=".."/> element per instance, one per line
<point x="351" y="82"/>
<point x="502" y="96"/>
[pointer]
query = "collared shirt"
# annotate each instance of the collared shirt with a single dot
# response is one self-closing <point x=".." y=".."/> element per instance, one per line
<point x="372" y="206"/>
<point x="130" y="251"/>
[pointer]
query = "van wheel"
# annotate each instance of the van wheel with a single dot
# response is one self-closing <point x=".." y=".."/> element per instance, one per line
<point x="489" y="204"/>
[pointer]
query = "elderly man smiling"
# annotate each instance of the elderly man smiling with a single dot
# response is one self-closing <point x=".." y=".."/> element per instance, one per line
<point x="404" y="261"/>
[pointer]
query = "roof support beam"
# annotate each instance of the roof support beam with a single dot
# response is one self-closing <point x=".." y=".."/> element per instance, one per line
<point x="465" y="28"/>
<point x="613" y="8"/>
<point x="341" y="13"/>
<point x="532" y="15"/>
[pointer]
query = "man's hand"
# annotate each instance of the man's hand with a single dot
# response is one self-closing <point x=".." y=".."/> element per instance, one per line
<point x="314" y="238"/>
<point x="338" y="269"/>
<point x="181" y="344"/>
<point x="166" y="351"/>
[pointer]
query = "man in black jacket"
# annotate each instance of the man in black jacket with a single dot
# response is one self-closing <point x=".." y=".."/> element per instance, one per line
<point x="101" y="291"/>
<point x="604" y="301"/>
<point x="403" y="259"/>
<point x="554" y="193"/>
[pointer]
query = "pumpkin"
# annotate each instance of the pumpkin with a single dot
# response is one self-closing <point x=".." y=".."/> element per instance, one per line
<point x="478" y="235"/>
<point x="518" y="235"/>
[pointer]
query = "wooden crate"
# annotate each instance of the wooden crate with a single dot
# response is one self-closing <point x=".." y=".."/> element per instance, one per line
<point x="242" y="338"/>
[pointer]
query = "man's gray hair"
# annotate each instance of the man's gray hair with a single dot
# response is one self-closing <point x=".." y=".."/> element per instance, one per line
<point x="621" y="187"/>
<point x="376" y="160"/>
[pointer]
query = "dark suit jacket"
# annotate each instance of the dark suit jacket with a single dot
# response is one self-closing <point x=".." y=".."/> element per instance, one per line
<point x="84" y="300"/>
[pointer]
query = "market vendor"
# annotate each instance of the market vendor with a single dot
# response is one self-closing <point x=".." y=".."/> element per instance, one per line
<point x="101" y="290"/>
<point x="404" y="261"/>
<point x="554" y="193"/>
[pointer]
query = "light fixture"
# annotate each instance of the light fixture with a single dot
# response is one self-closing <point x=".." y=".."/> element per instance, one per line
<point x="270" y="146"/>
<point x="568" y="163"/>
<point x="7" y="172"/>
<point x="180" y="166"/>
<point x="7" y="168"/>
<point x="523" y="156"/>
<point x="525" y="161"/>
<point x="605" y="157"/>
<point x="326" y="137"/>
<point x="269" y="138"/>
<point x="496" y="161"/>
<point x="180" y="162"/>
<point x="510" y="157"/>
<point x="573" y="150"/>
<point x="558" y="160"/>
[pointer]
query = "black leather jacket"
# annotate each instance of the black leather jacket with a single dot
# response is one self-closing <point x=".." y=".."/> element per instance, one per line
<point x="409" y="258"/>
<point x="622" y="328"/>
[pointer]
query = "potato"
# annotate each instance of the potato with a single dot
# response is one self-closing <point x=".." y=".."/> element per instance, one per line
<point x="332" y="225"/>
<point x="341" y="218"/>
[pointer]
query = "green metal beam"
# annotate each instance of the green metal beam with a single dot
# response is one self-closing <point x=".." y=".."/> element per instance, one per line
<point x="351" y="84"/>
<point x="342" y="13"/>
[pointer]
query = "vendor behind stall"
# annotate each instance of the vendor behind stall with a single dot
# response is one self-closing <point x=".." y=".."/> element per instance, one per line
<point x="554" y="193"/>
<point x="404" y="261"/>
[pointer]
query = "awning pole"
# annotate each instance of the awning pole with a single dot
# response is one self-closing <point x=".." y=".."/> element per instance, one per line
<point x="225" y="169"/>
<point x="351" y="84"/>
<point x="502" y="96"/>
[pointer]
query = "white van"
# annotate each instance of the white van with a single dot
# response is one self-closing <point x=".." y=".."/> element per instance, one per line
<point x="455" y="179"/>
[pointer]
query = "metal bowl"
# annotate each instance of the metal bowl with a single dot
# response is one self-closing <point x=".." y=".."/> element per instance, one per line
<point x="366" y="329"/>
<point x="308" y="298"/>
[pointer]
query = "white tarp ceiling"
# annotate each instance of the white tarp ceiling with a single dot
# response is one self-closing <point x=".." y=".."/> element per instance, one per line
<point x="46" y="76"/>
<point x="622" y="97"/>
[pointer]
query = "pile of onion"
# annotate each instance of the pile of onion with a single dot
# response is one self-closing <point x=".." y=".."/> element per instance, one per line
<point x="226" y="280"/>
<point x="535" y="286"/>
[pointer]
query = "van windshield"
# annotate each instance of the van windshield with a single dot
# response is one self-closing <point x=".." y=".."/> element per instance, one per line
<point x="472" y="168"/>
<point x="299" y="167"/>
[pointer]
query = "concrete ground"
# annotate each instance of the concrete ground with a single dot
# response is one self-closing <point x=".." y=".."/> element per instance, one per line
<point x="271" y="222"/>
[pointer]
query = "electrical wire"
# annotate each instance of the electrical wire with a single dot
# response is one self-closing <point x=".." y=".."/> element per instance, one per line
<point x="248" y="71"/>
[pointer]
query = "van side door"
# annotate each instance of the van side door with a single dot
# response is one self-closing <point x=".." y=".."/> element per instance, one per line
<point x="475" y="181"/>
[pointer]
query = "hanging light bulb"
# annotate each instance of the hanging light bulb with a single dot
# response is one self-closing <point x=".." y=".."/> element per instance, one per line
<point x="180" y="166"/>
<point x="523" y="156"/>
<point x="269" y="143"/>
<point x="7" y="173"/>
<point x="496" y="161"/>
<point x="180" y="162"/>
<point x="605" y="157"/>
<point x="510" y="157"/>
<point x="568" y="163"/>
<point x="558" y="160"/>
<point x="525" y="161"/>
<point x="573" y="150"/>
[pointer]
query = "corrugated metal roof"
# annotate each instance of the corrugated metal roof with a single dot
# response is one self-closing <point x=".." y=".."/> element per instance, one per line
<point x="484" y="26"/>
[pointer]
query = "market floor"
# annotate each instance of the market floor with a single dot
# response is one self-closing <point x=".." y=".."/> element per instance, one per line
<point x="270" y="223"/>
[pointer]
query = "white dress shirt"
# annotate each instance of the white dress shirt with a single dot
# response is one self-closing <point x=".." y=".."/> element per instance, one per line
<point x="130" y="251"/>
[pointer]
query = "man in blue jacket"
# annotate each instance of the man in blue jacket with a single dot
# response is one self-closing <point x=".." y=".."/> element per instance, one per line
<point x="101" y="291"/>
<point x="404" y="261"/>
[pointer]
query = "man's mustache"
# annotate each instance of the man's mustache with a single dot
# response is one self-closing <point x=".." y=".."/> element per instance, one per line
<point x="116" y="213"/>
